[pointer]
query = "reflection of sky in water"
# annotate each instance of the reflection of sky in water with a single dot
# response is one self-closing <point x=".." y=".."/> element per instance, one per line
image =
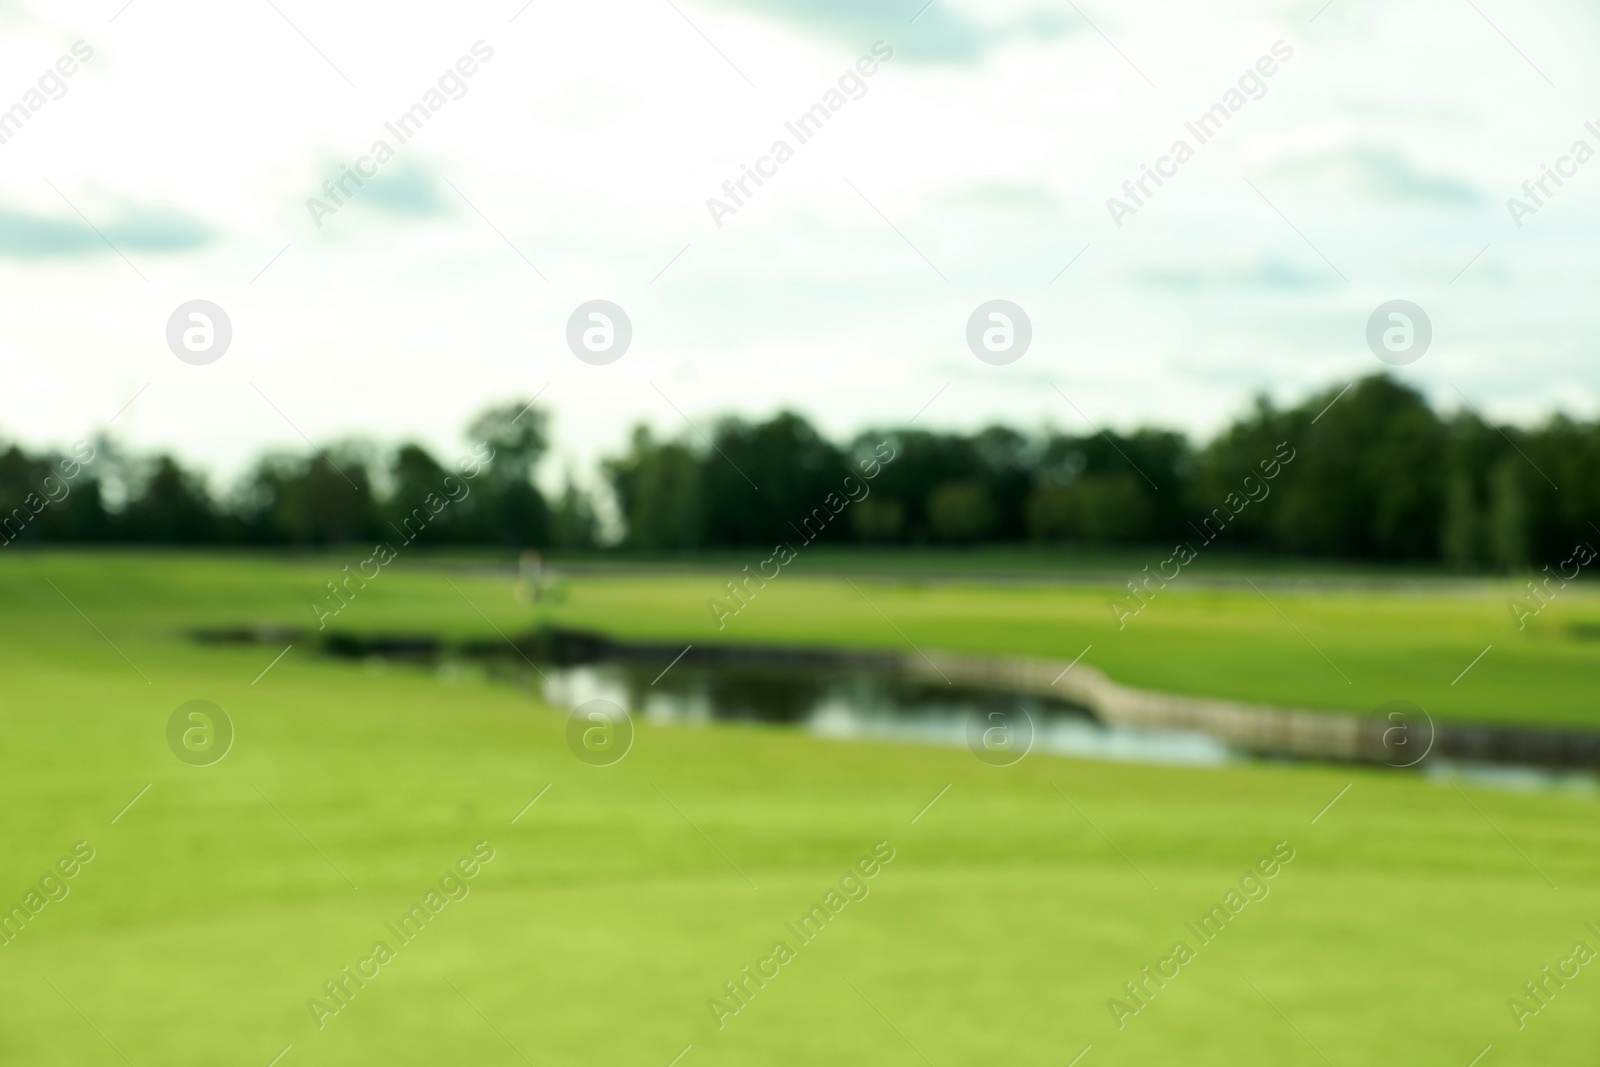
<point x="857" y="704"/>
<point x="1511" y="777"/>
<point x="860" y="704"/>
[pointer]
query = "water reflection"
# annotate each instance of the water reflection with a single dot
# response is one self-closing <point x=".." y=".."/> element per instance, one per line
<point x="856" y="696"/>
<point x="855" y="703"/>
<point x="1511" y="777"/>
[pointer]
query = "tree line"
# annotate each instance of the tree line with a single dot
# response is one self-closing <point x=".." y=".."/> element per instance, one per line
<point x="1376" y="474"/>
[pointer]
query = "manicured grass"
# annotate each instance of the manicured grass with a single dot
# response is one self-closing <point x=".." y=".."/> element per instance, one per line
<point x="1316" y="648"/>
<point x="1033" y="562"/>
<point x="619" y="903"/>
<point x="1279" y="639"/>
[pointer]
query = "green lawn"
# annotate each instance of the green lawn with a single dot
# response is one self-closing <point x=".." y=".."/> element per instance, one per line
<point x="616" y="906"/>
<point x="1317" y="648"/>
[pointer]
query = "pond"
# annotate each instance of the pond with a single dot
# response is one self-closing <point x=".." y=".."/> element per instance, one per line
<point x="863" y="696"/>
<point x="860" y="702"/>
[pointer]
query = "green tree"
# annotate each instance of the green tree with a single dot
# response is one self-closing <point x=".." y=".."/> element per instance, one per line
<point x="505" y="507"/>
<point x="878" y="520"/>
<point x="417" y="486"/>
<point x="1508" y="513"/>
<point x="658" y="489"/>
<point x="172" y="507"/>
<point x="793" y="465"/>
<point x="1112" y="509"/>
<point x="961" y="512"/>
<point x="572" y="521"/>
<point x="1052" y="513"/>
<point x="323" y="498"/>
<point x="1367" y="477"/>
<point x="1461" y="540"/>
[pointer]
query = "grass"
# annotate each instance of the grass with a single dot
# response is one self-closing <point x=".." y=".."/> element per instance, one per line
<point x="1114" y="564"/>
<point x="218" y="904"/>
<point x="1316" y="648"/>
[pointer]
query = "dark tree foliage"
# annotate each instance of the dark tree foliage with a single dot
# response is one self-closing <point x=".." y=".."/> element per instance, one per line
<point x="760" y="477"/>
<point x="341" y="493"/>
<point x="504" y="507"/>
<point x="1370" y="472"/>
<point x="172" y="507"/>
<point x="659" y="492"/>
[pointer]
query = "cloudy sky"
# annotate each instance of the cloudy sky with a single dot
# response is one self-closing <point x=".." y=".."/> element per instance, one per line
<point x="576" y="162"/>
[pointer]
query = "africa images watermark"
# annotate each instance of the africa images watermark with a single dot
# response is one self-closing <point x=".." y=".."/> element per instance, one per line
<point x="1253" y="888"/>
<point x="52" y="887"/>
<point x="1582" y="555"/>
<point x="410" y="122"/>
<point x="1542" y="990"/>
<point x="1203" y="129"/>
<point x="385" y="553"/>
<point x="802" y="129"/>
<point x="13" y="525"/>
<point x="1565" y="167"/>
<point x="338" y="992"/>
<point x="1185" y="553"/>
<point x="53" y="82"/>
<point x="852" y="886"/>
<point x="740" y="593"/>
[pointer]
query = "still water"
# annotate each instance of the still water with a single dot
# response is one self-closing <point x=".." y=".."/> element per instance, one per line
<point x="850" y="697"/>
<point x="855" y="702"/>
<point x="858" y="703"/>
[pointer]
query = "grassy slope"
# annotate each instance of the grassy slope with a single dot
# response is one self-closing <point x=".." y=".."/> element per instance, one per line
<point x="606" y="920"/>
<point x="1307" y="646"/>
<point x="1326" y="650"/>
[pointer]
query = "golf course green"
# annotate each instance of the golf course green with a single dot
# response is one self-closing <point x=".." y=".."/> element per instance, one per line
<point x="231" y="913"/>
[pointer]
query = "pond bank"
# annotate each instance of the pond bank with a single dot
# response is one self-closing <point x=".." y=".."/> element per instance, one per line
<point x="1395" y="737"/>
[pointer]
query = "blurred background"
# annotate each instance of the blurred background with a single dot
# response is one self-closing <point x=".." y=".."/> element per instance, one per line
<point x="688" y="532"/>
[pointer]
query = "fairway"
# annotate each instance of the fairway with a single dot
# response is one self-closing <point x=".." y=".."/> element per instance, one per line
<point x="1275" y="642"/>
<point x="1017" y="902"/>
<point x="753" y="533"/>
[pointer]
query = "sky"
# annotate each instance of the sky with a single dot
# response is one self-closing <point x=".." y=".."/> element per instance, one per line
<point x="576" y="162"/>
